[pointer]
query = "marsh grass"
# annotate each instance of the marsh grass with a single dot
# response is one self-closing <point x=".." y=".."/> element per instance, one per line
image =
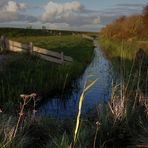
<point x="123" y="121"/>
<point x="119" y="125"/>
<point x="125" y="112"/>
<point x="24" y="73"/>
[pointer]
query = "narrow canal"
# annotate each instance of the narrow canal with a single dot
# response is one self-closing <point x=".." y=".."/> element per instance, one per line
<point x="100" y="68"/>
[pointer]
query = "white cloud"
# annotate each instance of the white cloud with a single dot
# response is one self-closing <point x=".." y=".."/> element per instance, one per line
<point x="12" y="6"/>
<point x="73" y="14"/>
<point x="9" y="10"/>
<point x="53" y="9"/>
<point x="56" y="14"/>
<point x="22" y="6"/>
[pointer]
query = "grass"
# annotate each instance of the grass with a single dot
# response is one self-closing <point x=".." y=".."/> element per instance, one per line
<point x="125" y="107"/>
<point x="119" y="126"/>
<point x="127" y="59"/>
<point x="26" y="74"/>
<point x="17" y="32"/>
<point x="70" y="45"/>
<point x="122" y="122"/>
<point x="115" y="49"/>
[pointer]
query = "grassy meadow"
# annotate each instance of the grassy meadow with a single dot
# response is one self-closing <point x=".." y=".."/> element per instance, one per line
<point x="26" y="74"/>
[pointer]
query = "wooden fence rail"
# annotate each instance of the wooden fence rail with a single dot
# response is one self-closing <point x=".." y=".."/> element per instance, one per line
<point x="87" y="37"/>
<point x="45" y="54"/>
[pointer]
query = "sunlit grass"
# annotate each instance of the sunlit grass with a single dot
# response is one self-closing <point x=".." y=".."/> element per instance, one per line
<point x="80" y="107"/>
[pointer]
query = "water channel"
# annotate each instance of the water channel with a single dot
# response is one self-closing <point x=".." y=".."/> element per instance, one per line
<point x="100" y="68"/>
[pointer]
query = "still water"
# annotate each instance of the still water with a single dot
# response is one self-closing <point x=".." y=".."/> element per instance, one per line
<point x="100" y="68"/>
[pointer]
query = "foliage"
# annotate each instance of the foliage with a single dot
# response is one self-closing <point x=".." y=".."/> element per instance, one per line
<point x="128" y="27"/>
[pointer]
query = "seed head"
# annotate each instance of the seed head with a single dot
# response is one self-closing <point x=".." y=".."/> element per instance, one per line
<point x="33" y="95"/>
<point x="25" y="97"/>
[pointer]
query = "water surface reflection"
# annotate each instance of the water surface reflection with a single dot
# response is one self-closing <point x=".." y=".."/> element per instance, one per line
<point x="101" y="69"/>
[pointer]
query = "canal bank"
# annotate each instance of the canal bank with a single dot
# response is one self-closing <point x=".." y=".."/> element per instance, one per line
<point x="100" y="68"/>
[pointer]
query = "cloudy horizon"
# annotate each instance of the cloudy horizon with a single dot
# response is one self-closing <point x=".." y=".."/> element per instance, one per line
<point x="65" y="15"/>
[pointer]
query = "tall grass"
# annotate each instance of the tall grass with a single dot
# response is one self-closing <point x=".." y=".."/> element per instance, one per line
<point x="122" y="121"/>
<point x="24" y="73"/>
<point x="126" y="112"/>
<point x="119" y="125"/>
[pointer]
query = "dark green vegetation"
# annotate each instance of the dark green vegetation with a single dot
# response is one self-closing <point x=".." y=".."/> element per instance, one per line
<point x="17" y="32"/>
<point x="23" y="73"/>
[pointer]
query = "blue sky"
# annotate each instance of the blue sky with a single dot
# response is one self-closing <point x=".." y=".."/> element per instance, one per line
<point x="84" y="15"/>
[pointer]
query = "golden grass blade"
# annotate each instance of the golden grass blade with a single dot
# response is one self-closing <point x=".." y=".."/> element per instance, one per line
<point x="80" y="107"/>
<point x="90" y="85"/>
<point x="78" y="116"/>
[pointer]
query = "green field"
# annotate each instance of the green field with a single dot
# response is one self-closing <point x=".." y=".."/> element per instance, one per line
<point x="70" y="45"/>
<point x="25" y="74"/>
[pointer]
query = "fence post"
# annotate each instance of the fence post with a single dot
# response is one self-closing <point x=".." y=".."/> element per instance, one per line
<point x="31" y="48"/>
<point x="62" y="57"/>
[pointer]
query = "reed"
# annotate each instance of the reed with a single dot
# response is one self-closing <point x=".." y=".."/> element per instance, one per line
<point x="85" y="89"/>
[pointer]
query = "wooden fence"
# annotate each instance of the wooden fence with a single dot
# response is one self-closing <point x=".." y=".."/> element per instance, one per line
<point x="87" y="37"/>
<point x="45" y="54"/>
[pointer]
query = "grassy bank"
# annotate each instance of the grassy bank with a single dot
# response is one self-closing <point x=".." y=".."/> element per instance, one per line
<point x="121" y="49"/>
<point x="125" y="44"/>
<point x="120" y="123"/>
<point x="21" y="73"/>
<point x="116" y="124"/>
<point x="128" y="59"/>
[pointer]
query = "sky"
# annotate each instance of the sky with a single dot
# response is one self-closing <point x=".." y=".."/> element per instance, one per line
<point x="81" y="15"/>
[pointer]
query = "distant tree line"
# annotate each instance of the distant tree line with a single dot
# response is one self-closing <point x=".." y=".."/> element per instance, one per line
<point x="19" y="32"/>
<point x="128" y="27"/>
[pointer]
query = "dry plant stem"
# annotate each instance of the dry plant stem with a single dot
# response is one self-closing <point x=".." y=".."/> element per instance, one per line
<point x="117" y="104"/>
<point x="34" y="109"/>
<point x="19" y="119"/>
<point x="97" y="129"/>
